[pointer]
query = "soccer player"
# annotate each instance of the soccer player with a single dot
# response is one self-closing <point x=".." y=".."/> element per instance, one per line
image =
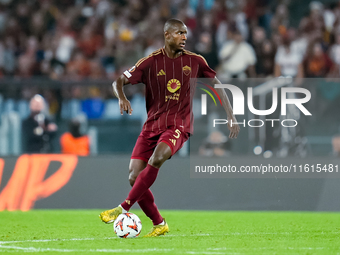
<point x="169" y="93"/>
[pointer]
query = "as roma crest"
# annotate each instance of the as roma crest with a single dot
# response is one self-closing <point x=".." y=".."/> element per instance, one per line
<point x="186" y="70"/>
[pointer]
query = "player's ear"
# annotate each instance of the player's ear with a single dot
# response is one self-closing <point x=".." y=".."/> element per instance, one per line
<point x="166" y="35"/>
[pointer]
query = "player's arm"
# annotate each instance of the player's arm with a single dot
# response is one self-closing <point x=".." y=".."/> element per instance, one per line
<point x="234" y="128"/>
<point x="124" y="103"/>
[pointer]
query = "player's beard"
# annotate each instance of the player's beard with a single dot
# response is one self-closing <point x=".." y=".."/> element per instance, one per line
<point x="179" y="51"/>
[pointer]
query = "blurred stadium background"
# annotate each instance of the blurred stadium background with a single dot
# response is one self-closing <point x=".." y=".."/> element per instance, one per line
<point x="70" y="51"/>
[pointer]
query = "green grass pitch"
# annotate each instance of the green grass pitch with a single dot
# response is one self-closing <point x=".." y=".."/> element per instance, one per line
<point x="191" y="232"/>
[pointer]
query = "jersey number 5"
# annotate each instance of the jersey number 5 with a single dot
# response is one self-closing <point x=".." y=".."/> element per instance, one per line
<point x="178" y="133"/>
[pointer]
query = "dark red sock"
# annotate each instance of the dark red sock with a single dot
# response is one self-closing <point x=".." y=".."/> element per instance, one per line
<point x="147" y="204"/>
<point x="143" y="182"/>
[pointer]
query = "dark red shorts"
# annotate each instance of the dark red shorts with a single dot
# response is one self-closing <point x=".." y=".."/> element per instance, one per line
<point x="147" y="142"/>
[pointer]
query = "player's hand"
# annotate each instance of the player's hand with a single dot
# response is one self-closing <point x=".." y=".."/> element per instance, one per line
<point x="125" y="106"/>
<point x="234" y="128"/>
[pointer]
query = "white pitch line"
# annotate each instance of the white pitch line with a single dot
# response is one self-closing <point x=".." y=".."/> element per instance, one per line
<point x="108" y="238"/>
<point x="33" y="249"/>
<point x="209" y="251"/>
<point x="57" y="240"/>
<point x="5" y="245"/>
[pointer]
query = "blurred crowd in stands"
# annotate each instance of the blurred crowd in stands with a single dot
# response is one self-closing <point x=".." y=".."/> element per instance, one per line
<point x="96" y="39"/>
<point x="77" y="40"/>
<point x="83" y="44"/>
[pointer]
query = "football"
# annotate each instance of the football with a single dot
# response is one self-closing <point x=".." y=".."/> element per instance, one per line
<point x="127" y="225"/>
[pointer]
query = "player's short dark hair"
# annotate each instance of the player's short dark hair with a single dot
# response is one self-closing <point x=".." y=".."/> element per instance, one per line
<point x="170" y="23"/>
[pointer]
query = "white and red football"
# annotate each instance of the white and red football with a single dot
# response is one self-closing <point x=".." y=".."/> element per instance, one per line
<point x="127" y="225"/>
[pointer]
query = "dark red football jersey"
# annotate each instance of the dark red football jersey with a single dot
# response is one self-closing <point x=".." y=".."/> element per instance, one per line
<point x="169" y="88"/>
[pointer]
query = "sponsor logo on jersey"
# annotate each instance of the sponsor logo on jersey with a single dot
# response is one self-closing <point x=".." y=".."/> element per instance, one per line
<point x="174" y="96"/>
<point x="161" y="72"/>
<point x="173" y="85"/>
<point x="132" y="69"/>
<point x="186" y="70"/>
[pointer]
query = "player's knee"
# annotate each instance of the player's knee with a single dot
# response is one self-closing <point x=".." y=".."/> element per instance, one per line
<point x="132" y="178"/>
<point x="157" y="160"/>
